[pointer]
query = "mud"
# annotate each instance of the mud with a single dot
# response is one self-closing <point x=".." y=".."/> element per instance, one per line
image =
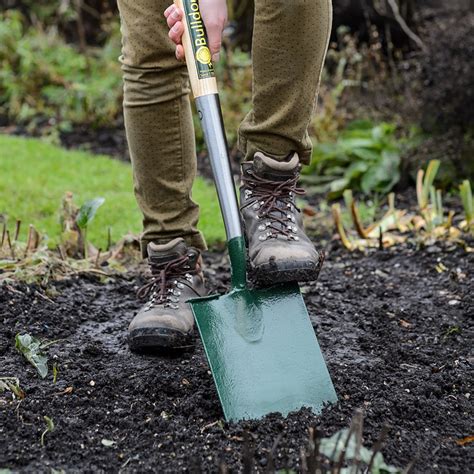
<point x="396" y="334"/>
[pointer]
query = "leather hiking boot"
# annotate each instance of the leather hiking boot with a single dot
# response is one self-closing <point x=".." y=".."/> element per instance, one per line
<point x="166" y="321"/>
<point x="278" y="247"/>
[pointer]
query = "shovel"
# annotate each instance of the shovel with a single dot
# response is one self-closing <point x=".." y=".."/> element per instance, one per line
<point x="260" y="344"/>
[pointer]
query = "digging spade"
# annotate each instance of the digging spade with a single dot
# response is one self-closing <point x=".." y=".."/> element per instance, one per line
<point x="260" y="344"/>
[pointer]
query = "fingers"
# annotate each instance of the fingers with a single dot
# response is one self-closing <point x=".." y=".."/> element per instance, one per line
<point x="214" y="36"/>
<point x="179" y="52"/>
<point x="168" y="11"/>
<point x="214" y="15"/>
<point x="176" y="32"/>
<point x="172" y="15"/>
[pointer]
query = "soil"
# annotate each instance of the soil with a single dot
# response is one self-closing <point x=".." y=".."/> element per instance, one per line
<point x="394" y="330"/>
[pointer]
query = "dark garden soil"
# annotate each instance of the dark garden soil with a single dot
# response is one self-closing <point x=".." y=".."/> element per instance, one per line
<point x="396" y="334"/>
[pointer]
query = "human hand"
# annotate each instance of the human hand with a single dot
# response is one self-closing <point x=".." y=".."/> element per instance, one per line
<point x="214" y="16"/>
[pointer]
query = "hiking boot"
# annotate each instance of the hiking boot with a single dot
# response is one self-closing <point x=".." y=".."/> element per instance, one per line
<point x="278" y="247"/>
<point x="166" y="321"/>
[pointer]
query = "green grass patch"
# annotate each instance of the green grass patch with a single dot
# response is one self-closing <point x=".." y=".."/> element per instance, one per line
<point x="34" y="176"/>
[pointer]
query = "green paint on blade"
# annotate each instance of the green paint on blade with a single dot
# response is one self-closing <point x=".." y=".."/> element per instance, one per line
<point x="263" y="352"/>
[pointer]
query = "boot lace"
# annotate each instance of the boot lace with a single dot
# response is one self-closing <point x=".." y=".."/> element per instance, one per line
<point x="274" y="203"/>
<point x="166" y="282"/>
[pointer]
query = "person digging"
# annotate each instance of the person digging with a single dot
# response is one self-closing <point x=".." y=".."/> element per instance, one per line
<point x="290" y="41"/>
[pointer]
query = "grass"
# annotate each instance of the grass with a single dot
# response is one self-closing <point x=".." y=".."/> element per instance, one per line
<point x="34" y="176"/>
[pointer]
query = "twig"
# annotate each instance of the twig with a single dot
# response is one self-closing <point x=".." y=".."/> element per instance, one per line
<point x="9" y="242"/>
<point x="97" y="258"/>
<point x="32" y="241"/>
<point x="17" y="230"/>
<point x="4" y="233"/>
<point x="359" y="420"/>
<point x="44" y="297"/>
<point x="271" y="455"/>
<point x="62" y="253"/>
<point x="247" y="455"/>
<point x="378" y="446"/>
<point x="28" y="242"/>
<point x="333" y="454"/>
<point x="403" y="24"/>
<point x="109" y="238"/>
<point x="409" y="468"/>
<point x="81" y="32"/>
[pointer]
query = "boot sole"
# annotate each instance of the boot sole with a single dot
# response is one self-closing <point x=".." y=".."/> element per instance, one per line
<point x="270" y="273"/>
<point x="159" y="340"/>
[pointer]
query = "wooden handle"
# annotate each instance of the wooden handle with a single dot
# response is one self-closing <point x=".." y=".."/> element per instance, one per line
<point x="196" y="50"/>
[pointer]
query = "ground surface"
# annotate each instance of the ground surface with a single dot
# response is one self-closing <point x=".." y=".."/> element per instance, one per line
<point x="395" y="333"/>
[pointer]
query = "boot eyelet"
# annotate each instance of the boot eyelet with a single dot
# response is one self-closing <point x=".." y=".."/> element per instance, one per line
<point x="262" y="237"/>
<point x="262" y="227"/>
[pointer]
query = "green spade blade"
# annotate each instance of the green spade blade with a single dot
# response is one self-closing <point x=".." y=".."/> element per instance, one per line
<point x="263" y="352"/>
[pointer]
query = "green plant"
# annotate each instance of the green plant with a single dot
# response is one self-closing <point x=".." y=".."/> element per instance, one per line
<point x="429" y="225"/>
<point x="33" y="351"/>
<point x="424" y="183"/>
<point x="85" y="216"/>
<point x="49" y="428"/>
<point x="12" y="384"/>
<point x="43" y="77"/>
<point x="468" y="203"/>
<point x="55" y="372"/>
<point x="366" y="157"/>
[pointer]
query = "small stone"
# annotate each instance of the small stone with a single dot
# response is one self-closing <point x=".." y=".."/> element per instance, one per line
<point x="453" y="302"/>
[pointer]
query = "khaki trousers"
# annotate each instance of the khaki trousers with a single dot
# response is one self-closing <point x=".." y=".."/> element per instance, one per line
<point x="290" y="41"/>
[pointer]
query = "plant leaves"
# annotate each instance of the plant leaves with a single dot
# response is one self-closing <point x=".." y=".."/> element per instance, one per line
<point x="333" y="448"/>
<point x="30" y="347"/>
<point x="87" y="211"/>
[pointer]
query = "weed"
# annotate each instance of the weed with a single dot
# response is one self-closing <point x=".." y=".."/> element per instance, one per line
<point x="468" y="203"/>
<point x="430" y="224"/>
<point x="55" y="372"/>
<point x="366" y="157"/>
<point x="85" y="216"/>
<point x="451" y="331"/>
<point x="12" y="384"/>
<point x="49" y="428"/>
<point x="33" y="351"/>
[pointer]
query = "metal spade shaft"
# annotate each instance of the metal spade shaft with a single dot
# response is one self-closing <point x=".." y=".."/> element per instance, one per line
<point x="210" y="114"/>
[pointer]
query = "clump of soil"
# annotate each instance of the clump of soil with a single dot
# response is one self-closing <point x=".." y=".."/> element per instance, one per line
<point x="395" y="333"/>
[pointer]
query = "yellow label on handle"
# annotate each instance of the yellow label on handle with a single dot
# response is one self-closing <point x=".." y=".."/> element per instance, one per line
<point x="198" y="38"/>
